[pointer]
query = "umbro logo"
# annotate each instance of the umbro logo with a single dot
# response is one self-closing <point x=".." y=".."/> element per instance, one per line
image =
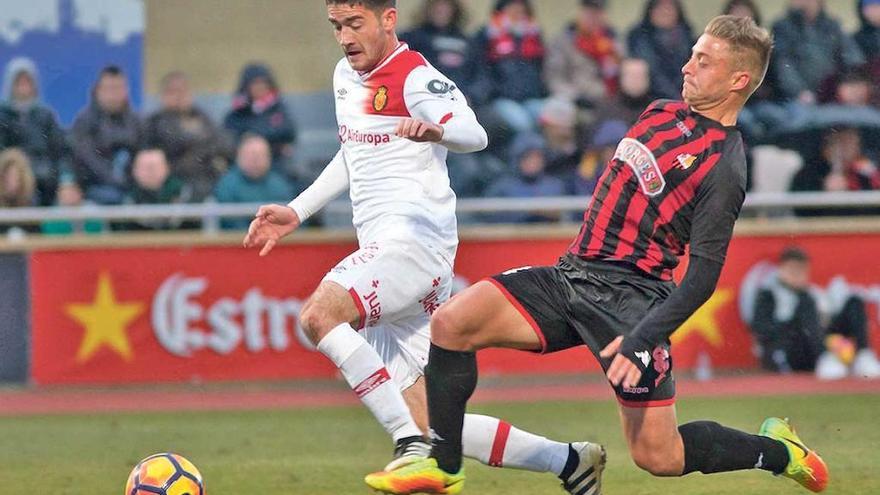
<point x="340" y="93"/>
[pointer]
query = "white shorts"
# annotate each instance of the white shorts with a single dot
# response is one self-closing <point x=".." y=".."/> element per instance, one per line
<point x="396" y="286"/>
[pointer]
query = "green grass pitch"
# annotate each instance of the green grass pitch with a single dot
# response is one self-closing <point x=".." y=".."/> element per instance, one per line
<point x="327" y="451"/>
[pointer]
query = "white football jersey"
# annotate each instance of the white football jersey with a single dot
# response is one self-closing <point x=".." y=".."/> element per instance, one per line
<point x="397" y="186"/>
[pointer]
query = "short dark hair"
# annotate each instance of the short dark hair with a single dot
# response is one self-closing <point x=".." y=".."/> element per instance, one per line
<point x="793" y="253"/>
<point x="112" y="71"/>
<point x="374" y="5"/>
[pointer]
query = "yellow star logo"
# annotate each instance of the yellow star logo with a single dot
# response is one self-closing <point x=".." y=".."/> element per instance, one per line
<point x="704" y="321"/>
<point x="105" y="321"/>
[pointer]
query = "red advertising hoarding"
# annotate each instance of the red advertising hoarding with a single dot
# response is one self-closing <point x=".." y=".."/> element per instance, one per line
<point x="223" y="313"/>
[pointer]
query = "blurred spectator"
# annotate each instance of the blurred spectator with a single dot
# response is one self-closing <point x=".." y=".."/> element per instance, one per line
<point x="809" y="47"/>
<point x="743" y="8"/>
<point x="152" y="183"/>
<point x="528" y="152"/>
<point x="598" y="154"/>
<point x="70" y="195"/>
<point x="842" y="166"/>
<point x="439" y="36"/>
<point x="633" y="97"/>
<point x="792" y="322"/>
<point x="511" y="50"/>
<point x="16" y="179"/>
<point x="868" y="39"/>
<point x="559" y="128"/>
<point x="664" y="40"/>
<point x="105" y="136"/>
<point x="198" y="151"/>
<point x="17" y="186"/>
<point x="258" y="109"/>
<point x="852" y="87"/>
<point x="584" y="60"/>
<point x="26" y="123"/>
<point x="252" y="180"/>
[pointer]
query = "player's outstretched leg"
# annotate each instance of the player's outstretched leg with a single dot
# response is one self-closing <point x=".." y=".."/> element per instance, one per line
<point x="663" y="449"/>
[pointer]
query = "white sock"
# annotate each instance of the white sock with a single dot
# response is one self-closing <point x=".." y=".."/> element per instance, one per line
<point x="365" y="372"/>
<point x="496" y="443"/>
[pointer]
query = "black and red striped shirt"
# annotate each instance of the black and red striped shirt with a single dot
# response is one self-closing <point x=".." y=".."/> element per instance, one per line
<point x="677" y="178"/>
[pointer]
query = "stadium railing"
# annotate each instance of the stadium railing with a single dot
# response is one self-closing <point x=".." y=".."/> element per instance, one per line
<point x="756" y="205"/>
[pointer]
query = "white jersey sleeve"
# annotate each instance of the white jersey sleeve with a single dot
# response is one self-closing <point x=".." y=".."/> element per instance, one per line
<point x="432" y="97"/>
<point x="332" y="181"/>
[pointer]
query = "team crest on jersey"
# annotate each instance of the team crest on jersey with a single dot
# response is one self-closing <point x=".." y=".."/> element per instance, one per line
<point x="644" y="165"/>
<point x="685" y="160"/>
<point x="380" y="99"/>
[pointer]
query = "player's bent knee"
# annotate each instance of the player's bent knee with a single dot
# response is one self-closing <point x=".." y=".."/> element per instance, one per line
<point x="448" y="332"/>
<point x="315" y="323"/>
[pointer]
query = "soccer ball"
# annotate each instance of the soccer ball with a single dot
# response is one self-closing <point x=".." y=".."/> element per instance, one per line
<point x="165" y="474"/>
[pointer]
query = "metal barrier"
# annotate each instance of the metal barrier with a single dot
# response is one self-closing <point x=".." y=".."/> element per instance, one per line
<point x="211" y="213"/>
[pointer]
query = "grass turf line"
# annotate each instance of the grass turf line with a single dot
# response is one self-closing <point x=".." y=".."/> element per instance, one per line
<point x="328" y="451"/>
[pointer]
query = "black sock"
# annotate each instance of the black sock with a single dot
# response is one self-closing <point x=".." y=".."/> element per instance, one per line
<point x="570" y="464"/>
<point x="712" y="448"/>
<point x="450" y="379"/>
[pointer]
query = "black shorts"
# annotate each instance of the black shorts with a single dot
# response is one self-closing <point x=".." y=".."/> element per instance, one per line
<point x="581" y="302"/>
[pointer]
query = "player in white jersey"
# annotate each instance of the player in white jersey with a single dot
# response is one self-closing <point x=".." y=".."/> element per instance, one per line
<point x="370" y="315"/>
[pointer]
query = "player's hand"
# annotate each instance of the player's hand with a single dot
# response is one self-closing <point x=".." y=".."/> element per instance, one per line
<point x="622" y="370"/>
<point x="419" y="131"/>
<point x="270" y="224"/>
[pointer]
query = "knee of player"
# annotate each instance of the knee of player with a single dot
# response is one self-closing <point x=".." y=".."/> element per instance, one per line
<point x="658" y="462"/>
<point x="448" y="332"/>
<point x="315" y="323"/>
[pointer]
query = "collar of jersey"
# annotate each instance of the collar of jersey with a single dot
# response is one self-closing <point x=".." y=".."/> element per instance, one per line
<point x="401" y="47"/>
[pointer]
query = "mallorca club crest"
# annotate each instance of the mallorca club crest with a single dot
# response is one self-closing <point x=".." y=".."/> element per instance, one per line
<point x="380" y="99"/>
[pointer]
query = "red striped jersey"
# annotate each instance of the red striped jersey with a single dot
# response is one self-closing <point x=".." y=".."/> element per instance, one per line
<point x="677" y="178"/>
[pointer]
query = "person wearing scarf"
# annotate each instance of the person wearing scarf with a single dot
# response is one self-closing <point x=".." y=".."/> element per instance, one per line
<point x="583" y="62"/>
<point x="257" y="109"/>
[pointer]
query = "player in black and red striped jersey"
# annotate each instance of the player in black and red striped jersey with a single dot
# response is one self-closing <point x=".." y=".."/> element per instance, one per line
<point x="676" y="180"/>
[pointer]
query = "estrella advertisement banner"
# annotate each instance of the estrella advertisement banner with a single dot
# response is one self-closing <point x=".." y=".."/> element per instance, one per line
<point x="223" y="313"/>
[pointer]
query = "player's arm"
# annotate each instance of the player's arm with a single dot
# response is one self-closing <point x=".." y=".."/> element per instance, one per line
<point x="272" y="222"/>
<point x="718" y="202"/>
<point x="440" y="113"/>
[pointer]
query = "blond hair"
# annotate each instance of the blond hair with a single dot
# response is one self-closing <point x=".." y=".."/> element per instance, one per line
<point x="750" y="43"/>
<point x="15" y="159"/>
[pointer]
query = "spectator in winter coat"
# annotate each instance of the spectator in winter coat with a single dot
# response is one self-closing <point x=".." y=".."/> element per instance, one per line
<point x="106" y="136"/>
<point x="809" y="47"/>
<point x="583" y="62"/>
<point x="258" y="109"/>
<point x="511" y="50"/>
<point x="197" y="150"/>
<point x="868" y="39"/>
<point x="28" y="124"/>
<point x="664" y="39"/>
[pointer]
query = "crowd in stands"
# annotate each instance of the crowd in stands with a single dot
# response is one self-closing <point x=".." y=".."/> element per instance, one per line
<point x="555" y="105"/>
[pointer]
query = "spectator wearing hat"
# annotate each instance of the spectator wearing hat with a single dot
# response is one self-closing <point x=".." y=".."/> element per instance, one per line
<point x="257" y="109"/>
<point x="528" y="152"/>
<point x="596" y="157"/>
<point x="559" y="127"/>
